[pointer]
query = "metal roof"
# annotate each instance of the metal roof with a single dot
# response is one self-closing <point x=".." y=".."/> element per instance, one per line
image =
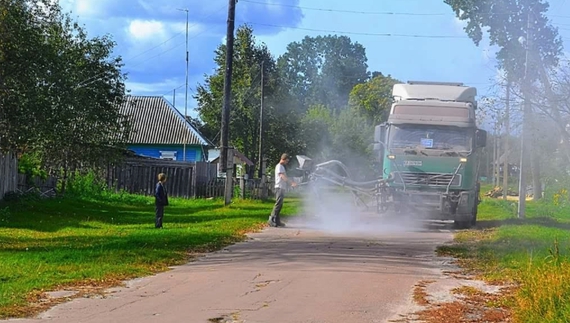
<point x="155" y="121"/>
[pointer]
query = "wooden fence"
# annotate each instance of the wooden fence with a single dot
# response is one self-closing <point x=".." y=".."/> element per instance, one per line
<point x="8" y="173"/>
<point x="139" y="176"/>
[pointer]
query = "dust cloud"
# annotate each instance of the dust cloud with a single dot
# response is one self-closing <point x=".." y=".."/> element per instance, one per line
<point x="334" y="210"/>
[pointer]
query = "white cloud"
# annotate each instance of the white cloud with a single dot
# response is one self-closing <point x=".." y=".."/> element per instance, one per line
<point x="141" y="30"/>
<point x="146" y="29"/>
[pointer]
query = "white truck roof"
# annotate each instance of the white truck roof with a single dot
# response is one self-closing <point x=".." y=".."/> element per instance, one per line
<point x="435" y="91"/>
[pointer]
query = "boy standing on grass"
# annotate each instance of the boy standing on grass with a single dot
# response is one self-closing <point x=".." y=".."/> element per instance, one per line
<point x="281" y="181"/>
<point x="160" y="200"/>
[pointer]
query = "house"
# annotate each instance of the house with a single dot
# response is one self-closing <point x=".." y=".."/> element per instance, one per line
<point x="159" y="130"/>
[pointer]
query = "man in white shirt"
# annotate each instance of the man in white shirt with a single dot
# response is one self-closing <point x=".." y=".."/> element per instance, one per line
<point x="281" y="181"/>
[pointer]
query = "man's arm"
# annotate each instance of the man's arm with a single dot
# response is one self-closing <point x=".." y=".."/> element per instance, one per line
<point x="286" y="179"/>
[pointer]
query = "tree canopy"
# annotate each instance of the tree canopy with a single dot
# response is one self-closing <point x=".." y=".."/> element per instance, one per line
<point x="61" y="90"/>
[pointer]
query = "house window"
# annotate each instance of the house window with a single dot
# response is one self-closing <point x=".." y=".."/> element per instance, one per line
<point x="168" y="155"/>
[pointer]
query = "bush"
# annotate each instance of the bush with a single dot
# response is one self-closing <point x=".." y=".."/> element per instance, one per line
<point x="85" y="185"/>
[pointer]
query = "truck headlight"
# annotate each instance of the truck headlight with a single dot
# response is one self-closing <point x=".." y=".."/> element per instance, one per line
<point x="463" y="159"/>
<point x="391" y="157"/>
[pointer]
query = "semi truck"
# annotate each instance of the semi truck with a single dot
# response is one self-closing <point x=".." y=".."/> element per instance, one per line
<point x="429" y="151"/>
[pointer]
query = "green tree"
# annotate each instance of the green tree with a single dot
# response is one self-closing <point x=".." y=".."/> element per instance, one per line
<point x="246" y="99"/>
<point x="508" y="22"/>
<point x="373" y="98"/>
<point x="323" y="70"/>
<point x="316" y="128"/>
<point x="22" y="69"/>
<point x="352" y="135"/>
<point x="62" y="89"/>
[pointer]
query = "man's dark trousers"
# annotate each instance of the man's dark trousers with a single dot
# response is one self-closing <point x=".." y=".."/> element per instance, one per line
<point x="279" y="196"/>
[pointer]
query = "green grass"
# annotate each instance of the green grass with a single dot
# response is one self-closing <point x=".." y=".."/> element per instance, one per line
<point x="49" y="244"/>
<point x="531" y="253"/>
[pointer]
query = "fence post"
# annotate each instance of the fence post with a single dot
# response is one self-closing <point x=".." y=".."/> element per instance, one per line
<point x="263" y="187"/>
<point x="242" y="187"/>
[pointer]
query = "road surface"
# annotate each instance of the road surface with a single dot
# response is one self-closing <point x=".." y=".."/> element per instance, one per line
<point x="292" y="274"/>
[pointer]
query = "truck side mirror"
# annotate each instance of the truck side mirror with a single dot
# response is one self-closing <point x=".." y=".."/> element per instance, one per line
<point x="380" y="133"/>
<point x="480" y="138"/>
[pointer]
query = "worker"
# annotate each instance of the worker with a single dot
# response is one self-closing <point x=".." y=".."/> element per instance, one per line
<point x="281" y="181"/>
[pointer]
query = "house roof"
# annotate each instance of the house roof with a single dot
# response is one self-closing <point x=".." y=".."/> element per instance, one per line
<point x="155" y="121"/>
<point x="237" y="155"/>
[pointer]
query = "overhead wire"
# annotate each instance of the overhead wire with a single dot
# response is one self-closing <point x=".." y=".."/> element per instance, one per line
<point x="361" y="33"/>
<point x="95" y="77"/>
<point x="389" y="13"/>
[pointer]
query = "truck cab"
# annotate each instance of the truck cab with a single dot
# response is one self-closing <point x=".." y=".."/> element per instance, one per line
<point x="429" y="150"/>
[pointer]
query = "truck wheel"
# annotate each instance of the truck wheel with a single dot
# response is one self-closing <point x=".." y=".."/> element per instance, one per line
<point x="474" y="216"/>
<point x="462" y="224"/>
<point x="467" y="224"/>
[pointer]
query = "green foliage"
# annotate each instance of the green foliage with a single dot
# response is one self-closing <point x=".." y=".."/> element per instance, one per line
<point x="31" y="165"/>
<point x="323" y="70"/>
<point x="59" y="90"/>
<point x="527" y="252"/>
<point x="87" y="185"/>
<point x="374" y="98"/>
<point x="507" y="22"/>
<point x="279" y="119"/>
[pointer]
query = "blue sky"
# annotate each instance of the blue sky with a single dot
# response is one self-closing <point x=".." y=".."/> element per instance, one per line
<point x="420" y="40"/>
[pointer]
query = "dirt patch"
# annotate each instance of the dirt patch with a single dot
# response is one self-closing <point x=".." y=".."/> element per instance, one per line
<point x="456" y="298"/>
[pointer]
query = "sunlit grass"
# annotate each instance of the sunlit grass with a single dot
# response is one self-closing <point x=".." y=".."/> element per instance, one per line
<point x="531" y="253"/>
<point x="53" y="243"/>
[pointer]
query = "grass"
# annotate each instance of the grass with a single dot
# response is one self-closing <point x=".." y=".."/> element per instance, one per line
<point x="97" y="242"/>
<point x="531" y="254"/>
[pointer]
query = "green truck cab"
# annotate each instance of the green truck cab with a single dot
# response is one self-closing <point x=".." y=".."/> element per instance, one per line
<point x="429" y="151"/>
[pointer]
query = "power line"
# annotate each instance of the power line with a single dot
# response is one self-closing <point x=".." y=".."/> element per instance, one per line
<point x="95" y="77"/>
<point x="347" y="11"/>
<point x="361" y="33"/>
<point x="390" y="13"/>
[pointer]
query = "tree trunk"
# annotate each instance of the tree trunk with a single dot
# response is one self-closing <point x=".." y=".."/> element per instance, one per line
<point x="506" y="144"/>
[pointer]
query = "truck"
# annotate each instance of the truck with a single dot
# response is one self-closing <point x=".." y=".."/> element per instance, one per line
<point x="429" y="151"/>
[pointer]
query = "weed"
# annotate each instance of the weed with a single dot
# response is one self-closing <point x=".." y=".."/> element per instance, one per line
<point x="525" y="253"/>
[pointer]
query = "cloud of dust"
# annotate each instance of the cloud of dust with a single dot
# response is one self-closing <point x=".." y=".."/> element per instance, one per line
<point x="335" y="210"/>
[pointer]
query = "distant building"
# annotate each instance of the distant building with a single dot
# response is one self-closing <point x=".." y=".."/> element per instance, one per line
<point x="159" y="130"/>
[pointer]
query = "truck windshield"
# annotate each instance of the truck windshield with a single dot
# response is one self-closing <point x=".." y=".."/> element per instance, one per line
<point x="430" y="138"/>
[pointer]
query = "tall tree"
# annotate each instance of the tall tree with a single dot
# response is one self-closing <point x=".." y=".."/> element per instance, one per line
<point x="246" y="97"/>
<point x="508" y="22"/>
<point x="61" y="90"/>
<point x="22" y="69"/>
<point x="323" y="70"/>
<point x="373" y="98"/>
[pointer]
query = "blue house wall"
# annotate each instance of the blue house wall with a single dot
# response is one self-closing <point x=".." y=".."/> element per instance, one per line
<point x="193" y="152"/>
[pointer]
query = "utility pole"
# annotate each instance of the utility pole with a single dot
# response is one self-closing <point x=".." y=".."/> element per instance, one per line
<point x="260" y="154"/>
<point x="186" y="93"/>
<point x="507" y="134"/>
<point x="174" y="98"/>
<point x="224" y="156"/>
<point x="526" y="110"/>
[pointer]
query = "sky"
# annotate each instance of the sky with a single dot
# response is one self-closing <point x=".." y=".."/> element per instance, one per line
<point x="408" y="39"/>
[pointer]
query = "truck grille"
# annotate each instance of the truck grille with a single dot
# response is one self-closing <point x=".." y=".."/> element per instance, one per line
<point x="431" y="179"/>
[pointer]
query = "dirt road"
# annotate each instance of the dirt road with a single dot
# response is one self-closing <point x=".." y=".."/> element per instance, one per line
<point x="291" y="274"/>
